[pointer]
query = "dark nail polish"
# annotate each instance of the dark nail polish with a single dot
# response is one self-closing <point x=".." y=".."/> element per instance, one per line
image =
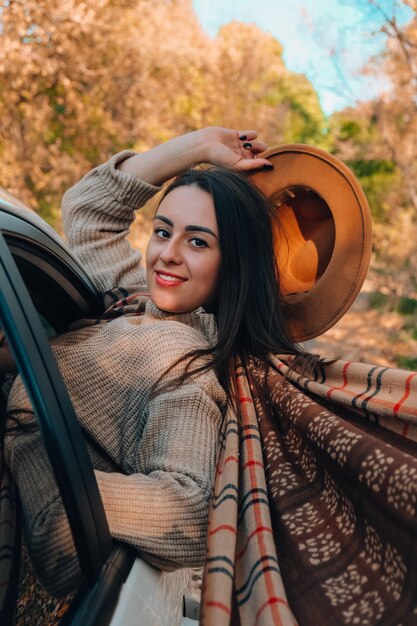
<point x="247" y="145"/>
<point x="268" y="166"/>
<point x="242" y="138"/>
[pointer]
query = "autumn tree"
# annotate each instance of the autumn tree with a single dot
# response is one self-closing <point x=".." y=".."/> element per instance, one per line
<point x="379" y="137"/>
<point x="52" y="80"/>
<point x="396" y="111"/>
<point x="252" y="86"/>
<point x="80" y="80"/>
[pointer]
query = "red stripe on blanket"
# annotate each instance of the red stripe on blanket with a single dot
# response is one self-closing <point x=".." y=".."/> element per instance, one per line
<point x="249" y="463"/>
<point x="223" y="527"/>
<point x="269" y="583"/>
<point x="376" y="405"/>
<point x="406" y="393"/>
<point x="246" y="400"/>
<point x="255" y="532"/>
<point x="229" y="458"/>
<point x="219" y="605"/>
<point x="345" y="380"/>
<point x="269" y="603"/>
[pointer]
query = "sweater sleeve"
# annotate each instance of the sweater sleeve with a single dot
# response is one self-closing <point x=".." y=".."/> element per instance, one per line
<point x="47" y="531"/>
<point x="161" y="508"/>
<point x="97" y="214"/>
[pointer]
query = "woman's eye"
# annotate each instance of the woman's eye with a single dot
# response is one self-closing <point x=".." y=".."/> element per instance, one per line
<point x="198" y="243"/>
<point x="162" y="233"/>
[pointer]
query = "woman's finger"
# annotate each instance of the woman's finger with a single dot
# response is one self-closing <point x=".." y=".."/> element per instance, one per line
<point x="258" y="146"/>
<point x="245" y="165"/>
<point x="247" y="135"/>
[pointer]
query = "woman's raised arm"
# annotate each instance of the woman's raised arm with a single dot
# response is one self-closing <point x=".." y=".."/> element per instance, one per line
<point x="97" y="214"/>
<point x="215" y="145"/>
<point x="99" y="210"/>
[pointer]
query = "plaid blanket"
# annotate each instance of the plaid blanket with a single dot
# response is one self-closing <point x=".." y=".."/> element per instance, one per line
<point x="314" y="512"/>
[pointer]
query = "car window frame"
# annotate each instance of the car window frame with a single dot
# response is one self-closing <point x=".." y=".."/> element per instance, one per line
<point x="105" y="564"/>
<point x="55" y="415"/>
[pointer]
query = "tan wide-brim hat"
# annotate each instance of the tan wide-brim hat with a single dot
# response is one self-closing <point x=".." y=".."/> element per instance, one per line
<point x="323" y="235"/>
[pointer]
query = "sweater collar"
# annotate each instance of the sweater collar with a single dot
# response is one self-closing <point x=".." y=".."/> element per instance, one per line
<point x="133" y="303"/>
<point x="198" y="319"/>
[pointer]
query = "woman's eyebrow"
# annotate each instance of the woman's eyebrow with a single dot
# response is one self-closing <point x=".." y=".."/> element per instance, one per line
<point x="164" y="219"/>
<point x="191" y="227"/>
<point x="202" y="229"/>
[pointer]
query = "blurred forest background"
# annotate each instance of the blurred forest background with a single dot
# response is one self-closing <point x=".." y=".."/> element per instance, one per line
<point x="83" y="79"/>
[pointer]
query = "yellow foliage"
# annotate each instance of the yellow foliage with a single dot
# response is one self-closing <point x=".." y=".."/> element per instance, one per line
<point x="82" y="80"/>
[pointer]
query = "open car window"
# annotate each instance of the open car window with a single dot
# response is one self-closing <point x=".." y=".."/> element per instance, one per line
<point x="42" y="290"/>
<point x="61" y="433"/>
<point x="32" y="255"/>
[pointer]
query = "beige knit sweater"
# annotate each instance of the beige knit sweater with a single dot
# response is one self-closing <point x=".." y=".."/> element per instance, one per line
<point x="166" y="444"/>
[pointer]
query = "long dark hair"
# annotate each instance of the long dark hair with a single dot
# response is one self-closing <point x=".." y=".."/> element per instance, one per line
<point x="249" y="309"/>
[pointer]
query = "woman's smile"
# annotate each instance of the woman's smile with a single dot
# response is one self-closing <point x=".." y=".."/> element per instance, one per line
<point x="183" y="255"/>
<point x="165" y="279"/>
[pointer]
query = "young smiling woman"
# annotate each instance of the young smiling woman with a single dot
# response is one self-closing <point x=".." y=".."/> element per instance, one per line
<point x="150" y="383"/>
<point x="183" y="255"/>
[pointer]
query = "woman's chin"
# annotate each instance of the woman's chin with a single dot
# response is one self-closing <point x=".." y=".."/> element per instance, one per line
<point x="170" y="305"/>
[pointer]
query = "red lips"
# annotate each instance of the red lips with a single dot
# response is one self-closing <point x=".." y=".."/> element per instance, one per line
<point x="168" y="279"/>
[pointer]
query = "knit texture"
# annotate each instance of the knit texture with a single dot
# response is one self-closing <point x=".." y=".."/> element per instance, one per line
<point x="165" y="443"/>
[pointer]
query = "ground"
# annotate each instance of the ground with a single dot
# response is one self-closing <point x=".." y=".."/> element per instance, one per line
<point x="370" y="332"/>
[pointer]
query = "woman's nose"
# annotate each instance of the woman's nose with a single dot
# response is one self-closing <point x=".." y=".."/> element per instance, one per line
<point x="171" y="252"/>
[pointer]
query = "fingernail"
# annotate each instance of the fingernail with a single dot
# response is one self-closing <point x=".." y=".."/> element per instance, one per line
<point x="242" y="138"/>
<point x="268" y="166"/>
<point x="247" y="145"/>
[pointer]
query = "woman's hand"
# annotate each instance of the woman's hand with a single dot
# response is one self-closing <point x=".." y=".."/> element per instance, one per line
<point x="238" y="149"/>
<point x="218" y="146"/>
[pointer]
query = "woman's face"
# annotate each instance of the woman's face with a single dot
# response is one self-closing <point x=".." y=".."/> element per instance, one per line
<point x="183" y="255"/>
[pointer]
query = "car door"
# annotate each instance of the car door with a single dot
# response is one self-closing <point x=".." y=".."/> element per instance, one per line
<point x="42" y="290"/>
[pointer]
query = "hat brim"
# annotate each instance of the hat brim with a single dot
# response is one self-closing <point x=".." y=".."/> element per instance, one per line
<point x="337" y="253"/>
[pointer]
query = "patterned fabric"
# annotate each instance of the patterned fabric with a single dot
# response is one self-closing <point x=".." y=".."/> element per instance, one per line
<point x="314" y="511"/>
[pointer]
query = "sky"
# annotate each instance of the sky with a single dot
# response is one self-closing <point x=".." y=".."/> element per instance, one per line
<point x="327" y="40"/>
